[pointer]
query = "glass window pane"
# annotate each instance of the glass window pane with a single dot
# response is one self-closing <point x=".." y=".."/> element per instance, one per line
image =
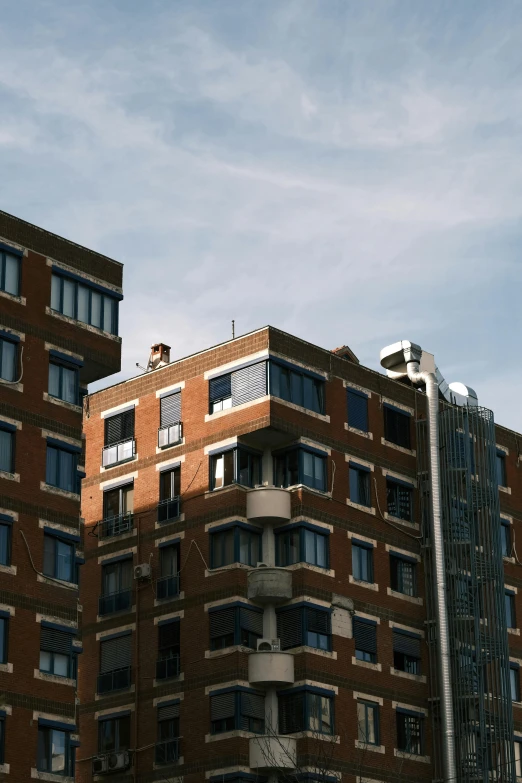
<point x="125" y="575"/>
<point x="61" y="665"/>
<point x="54" y="380"/>
<point x="66" y="465"/>
<point x="69" y="297"/>
<point x="108" y="318"/>
<point x="308" y="469"/>
<point x="127" y="499"/>
<point x="6" y="451"/>
<point x="69" y="385"/>
<point x="44" y="759"/>
<point x="319" y="473"/>
<point x="294" y="556"/>
<point x="228" y="459"/>
<point x="292" y="467"/>
<point x="111" y="503"/>
<point x="255" y="549"/>
<point x="5" y="541"/>
<point x="244" y="468"/>
<point x="107" y="736"/>
<point x="275" y="375"/>
<point x="321" y="551"/>
<point x="45" y="661"/>
<point x="55" y="292"/>
<point x="49" y="555"/>
<point x="3" y="640"/>
<point x="166" y="485"/>
<point x="229" y="556"/>
<point x="217" y="472"/>
<point x="296" y="388"/>
<point x="83" y="304"/>
<point x="64" y="561"/>
<point x="169" y="561"/>
<point x="123" y="733"/>
<point x="8" y="369"/>
<point x="244" y="546"/>
<point x="308" y="396"/>
<point x="96" y="309"/>
<point x="12" y="274"/>
<point x="111" y="579"/>
<point x="309" y="537"/>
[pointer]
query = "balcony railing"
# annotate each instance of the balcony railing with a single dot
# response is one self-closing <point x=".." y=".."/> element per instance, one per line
<point x="167" y="586"/>
<point x="166" y="668"/>
<point x="116" y="680"/>
<point x="122" y="451"/>
<point x="167" y="751"/>
<point x="170" y="434"/>
<point x="169" y="509"/>
<point x="116" y="526"/>
<point x="115" y="602"/>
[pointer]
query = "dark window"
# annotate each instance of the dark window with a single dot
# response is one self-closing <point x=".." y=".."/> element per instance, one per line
<point x="302" y="625"/>
<point x="297" y="386"/>
<point x="220" y="393"/>
<point x="7" y="449"/>
<point x="167" y="585"/>
<point x="55" y="753"/>
<point x="514" y="682"/>
<point x="115" y="663"/>
<point x="84" y="303"/>
<point x="169" y="505"/>
<point x="56" y="652"/>
<point x="400" y="500"/>
<point x="501" y="469"/>
<point x="62" y="469"/>
<point x="238" y="387"/>
<point x="235" y="625"/>
<point x="8" y="359"/>
<point x="406" y="652"/>
<point x="118" y="507"/>
<point x="119" y="438"/>
<point x="403" y="575"/>
<point x="235" y="466"/>
<point x="360" y="490"/>
<point x="9" y="272"/>
<point x="357" y="410"/>
<point x="232" y="710"/>
<point x="5" y="542"/>
<point x="2" y="740"/>
<point x="368" y="722"/>
<point x="235" y="544"/>
<point x="505" y="537"/>
<point x="410" y="733"/>
<point x="170" y="420"/>
<point x="306" y="711"/>
<point x="302" y="545"/>
<point x="63" y="382"/>
<point x="167" y="747"/>
<point x="397" y="427"/>
<point x="362" y="561"/>
<point x="509" y="600"/>
<point x="4" y="639"/>
<point x="365" y="638"/>
<point x="167" y="665"/>
<point x="116" y="587"/>
<point x="58" y="558"/>
<point x="114" y="734"/>
<point x="300" y="466"/>
<point x="518" y="758"/>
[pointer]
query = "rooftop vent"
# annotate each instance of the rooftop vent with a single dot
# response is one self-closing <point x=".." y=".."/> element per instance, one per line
<point x="159" y="355"/>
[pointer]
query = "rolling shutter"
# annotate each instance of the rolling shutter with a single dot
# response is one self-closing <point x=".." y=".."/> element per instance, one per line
<point x="357" y="410"/>
<point x="291" y="713"/>
<point x="168" y="712"/>
<point x="119" y="427"/>
<point x="223" y="706"/>
<point x="168" y="635"/>
<point x="365" y="635"/>
<point x="251" y="620"/>
<point x="170" y="409"/>
<point x="248" y="383"/>
<point x="290" y="628"/>
<point x="56" y="641"/>
<point x="222" y="622"/>
<point x="252" y="706"/>
<point x="115" y="653"/>
<point x="406" y="644"/>
<point x="318" y="621"/>
<point x="219" y="388"/>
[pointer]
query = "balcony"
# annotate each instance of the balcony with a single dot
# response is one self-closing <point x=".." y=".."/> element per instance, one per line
<point x="117" y="680"/>
<point x="269" y="504"/>
<point x="271" y="669"/>
<point x="169" y="510"/>
<point x="116" y="453"/>
<point x="269" y="585"/>
<point x="169" y="435"/>
<point x="115" y="602"/>
<point x="115" y="526"/>
<point x="273" y="752"/>
<point x="167" y="668"/>
<point x="167" y="587"/>
<point x="167" y="751"/>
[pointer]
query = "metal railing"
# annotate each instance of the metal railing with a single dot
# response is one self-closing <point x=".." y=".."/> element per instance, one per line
<point x="167" y="751"/>
<point x="115" y="453"/>
<point x="115" y="602"/>
<point x="116" y="526"/>
<point x="169" y="509"/>
<point x="166" y="668"/>
<point x="116" y="680"/>
<point x="170" y="434"/>
<point x="167" y="586"/>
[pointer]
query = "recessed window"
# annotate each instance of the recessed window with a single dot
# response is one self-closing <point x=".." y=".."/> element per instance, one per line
<point x="10" y="272"/>
<point x="63" y="382"/>
<point x="365" y="638"/>
<point x="235" y="466"/>
<point x="55" y="752"/>
<point x="119" y="445"/>
<point x="5" y="540"/>
<point x="59" y="558"/>
<point x="362" y="561"/>
<point x="410" y="733"/>
<point x="115" y="663"/>
<point x="297" y="386"/>
<point x="236" y="544"/>
<point x="302" y="625"/>
<point x="300" y="466"/>
<point x="2" y="740"/>
<point x="306" y="710"/>
<point x="167" y="665"/>
<point x="220" y="393"/>
<point x="233" y="625"/>
<point x="403" y="575"/>
<point x="302" y="545"/>
<point x="505" y="537"/>
<point x="167" y="586"/>
<point x="118" y="508"/>
<point x="397" y="426"/>
<point x="501" y="468"/>
<point x="170" y="420"/>
<point x="509" y="602"/>
<point x="84" y="303"/>
<point x="514" y="682"/>
<point x="368" y="722"/>
<point x="244" y="710"/>
<point x="406" y="652"/>
<point x="169" y="505"/>
<point x="400" y="499"/>
<point x="116" y="587"/>
<point x="360" y="488"/>
<point x="62" y="468"/>
<point x="167" y="746"/>
<point x="114" y="734"/>
<point x="357" y="409"/>
<point x="8" y="359"/>
<point x="56" y="653"/>
<point x="4" y="638"/>
<point x="7" y="448"/>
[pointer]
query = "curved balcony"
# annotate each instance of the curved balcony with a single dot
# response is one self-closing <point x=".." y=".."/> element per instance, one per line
<point x="276" y="751"/>
<point x="271" y="669"/>
<point x="269" y="585"/>
<point x="269" y="504"/>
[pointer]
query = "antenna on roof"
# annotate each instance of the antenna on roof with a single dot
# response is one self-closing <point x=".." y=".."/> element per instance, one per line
<point x="233" y="329"/>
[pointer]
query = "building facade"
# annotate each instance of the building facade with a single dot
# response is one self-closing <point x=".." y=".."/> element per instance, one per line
<point x="58" y="332"/>
<point x="254" y="599"/>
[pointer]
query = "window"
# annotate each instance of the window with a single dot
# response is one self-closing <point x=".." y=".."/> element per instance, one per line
<point x="167" y="664"/>
<point x="357" y="409"/>
<point x="114" y="734"/>
<point x="4" y="637"/>
<point x="518" y="757"/>
<point x="63" y="381"/>
<point x="365" y="637"/>
<point x="167" y="585"/>
<point x="300" y="466"/>
<point x="397" y="426"/>
<point x="509" y="601"/>
<point x="118" y="507"/>
<point x="304" y="625"/>
<point x="360" y="491"/>
<point x="400" y="499"/>
<point x="56" y="652"/>
<point x="7" y="447"/>
<point x="505" y="537"/>
<point x="90" y="305"/>
<point x="410" y="733"/>
<point x="236" y="709"/>
<point x="115" y="663"/>
<point x="501" y="468"/>
<point x="170" y="420"/>
<point x="233" y="625"/>
<point x="116" y="587"/>
<point x="235" y="544"/>
<point x="220" y="393"/>
<point x="306" y="710"/>
<point x="2" y="739"/>
<point x="119" y="438"/>
<point x="403" y="575"/>
<point x="62" y="467"/>
<point x="302" y="544"/>
<point x="169" y="505"/>
<point x="5" y="539"/>
<point x="406" y="652"/>
<point x="362" y="561"/>
<point x="514" y="682"/>
<point x="235" y="466"/>
<point x="167" y="747"/>
<point x="59" y="558"/>
<point x="8" y="359"/>
<point x="55" y="751"/>
<point x="368" y="722"/>
<point x="297" y="386"/>
<point x="10" y="269"/>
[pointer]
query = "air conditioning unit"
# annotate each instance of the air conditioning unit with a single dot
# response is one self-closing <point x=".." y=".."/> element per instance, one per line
<point x="111" y="762"/>
<point x="99" y="765"/>
<point x="142" y="571"/>
<point x="269" y="645"/>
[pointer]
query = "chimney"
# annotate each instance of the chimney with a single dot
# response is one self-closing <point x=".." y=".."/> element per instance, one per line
<point x="159" y="355"/>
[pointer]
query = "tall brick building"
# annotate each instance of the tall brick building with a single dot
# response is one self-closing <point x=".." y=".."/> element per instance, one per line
<point x="58" y="332"/>
<point x="254" y="600"/>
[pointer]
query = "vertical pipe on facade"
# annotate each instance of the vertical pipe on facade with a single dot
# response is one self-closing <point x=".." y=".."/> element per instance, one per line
<point x="444" y="662"/>
<point x="137" y="664"/>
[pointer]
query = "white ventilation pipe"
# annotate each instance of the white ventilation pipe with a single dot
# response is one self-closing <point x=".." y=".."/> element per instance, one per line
<point x="404" y="359"/>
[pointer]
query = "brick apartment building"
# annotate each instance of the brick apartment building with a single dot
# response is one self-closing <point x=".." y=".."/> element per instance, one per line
<point x="58" y="332"/>
<point x="202" y="664"/>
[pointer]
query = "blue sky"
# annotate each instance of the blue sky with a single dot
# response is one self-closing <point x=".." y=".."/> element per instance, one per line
<point x="347" y="171"/>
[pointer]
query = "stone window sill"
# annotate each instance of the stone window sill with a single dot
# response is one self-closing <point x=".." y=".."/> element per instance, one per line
<point x="507" y="490"/>
<point x="8" y="569"/>
<point x="377" y="667"/>
<point x="9" y="476"/>
<point x="14" y="298"/>
<point x="62" y="403"/>
<point x="398" y="521"/>
<point x="88" y="328"/>
<point x="362" y="583"/>
<point x="312" y="651"/>
<point x="401" y="754"/>
<point x="359" y="507"/>
<point x="362" y="433"/>
<point x="168" y="680"/>
<point x="229" y="735"/>
<point x="411" y="598"/>
<point x="407" y="675"/>
<point x="310" y="567"/>
<point x="17" y="387"/>
<point x="162" y="601"/>
<point x="366" y="746"/>
<point x="61" y="492"/>
<point x="411" y="452"/>
<point x="36" y="774"/>
<point x="6" y="667"/>
<point x="113" y="694"/>
<point x="57" y="582"/>
<point x="320" y="416"/>
<point x="54" y="678"/>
